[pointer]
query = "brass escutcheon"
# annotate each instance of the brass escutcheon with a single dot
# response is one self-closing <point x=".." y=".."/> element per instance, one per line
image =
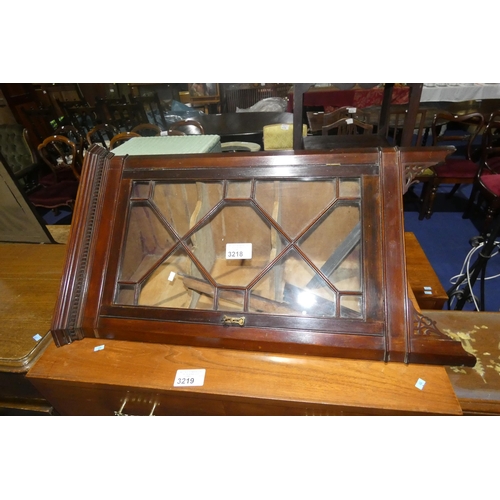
<point x="228" y="320"/>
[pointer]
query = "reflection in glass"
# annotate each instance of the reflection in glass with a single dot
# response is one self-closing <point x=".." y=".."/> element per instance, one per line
<point x="286" y="247"/>
<point x="285" y="289"/>
<point x="295" y="204"/>
<point x="333" y="245"/>
<point x="168" y="285"/>
<point x="146" y="242"/>
<point x="236" y="225"/>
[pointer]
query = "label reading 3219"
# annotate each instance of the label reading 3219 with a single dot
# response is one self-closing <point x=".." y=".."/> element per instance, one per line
<point x="238" y="251"/>
<point x="189" y="378"/>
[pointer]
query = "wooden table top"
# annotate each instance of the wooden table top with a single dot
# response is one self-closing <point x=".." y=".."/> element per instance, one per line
<point x="326" y="142"/>
<point x="248" y="382"/>
<point x="424" y="282"/>
<point x="477" y="388"/>
<point x="240" y="124"/>
<point x="30" y="275"/>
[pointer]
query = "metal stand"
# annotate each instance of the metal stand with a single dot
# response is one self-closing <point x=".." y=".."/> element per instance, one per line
<point x="479" y="267"/>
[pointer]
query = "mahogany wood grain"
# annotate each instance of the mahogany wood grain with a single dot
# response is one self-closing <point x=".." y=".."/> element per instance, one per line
<point x="421" y="276"/>
<point x="236" y="382"/>
<point x="388" y="329"/>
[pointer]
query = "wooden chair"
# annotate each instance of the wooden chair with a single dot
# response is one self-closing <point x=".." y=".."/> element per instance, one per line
<point x="59" y="186"/>
<point x="486" y="188"/>
<point x="83" y="118"/>
<point x="120" y="138"/>
<point x="124" y="115"/>
<point x="153" y="109"/>
<point x="73" y="134"/>
<point x="458" y="168"/>
<point x="347" y="126"/>
<point x="397" y="116"/>
<point x="189" y="127"/>
<point x="60" y="155"/>
<point x="147" y="130"/>
<point x="318" y="119"/>
<point x="42" y="122"/>
<point x="102" y="134"/>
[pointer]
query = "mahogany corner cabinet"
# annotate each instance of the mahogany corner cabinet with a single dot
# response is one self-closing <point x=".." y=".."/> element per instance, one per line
<point x="296" y="252"/>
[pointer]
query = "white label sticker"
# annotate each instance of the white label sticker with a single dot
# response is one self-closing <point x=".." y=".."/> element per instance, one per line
<point x="37" y="337"/>
<point x="351" y="110"/>
<point x="171" y="276"/>
<point x="420" y="384"/>
<point x="238" y="251"/>
<point x="427" y="287"/>
<point x="427" y="292"/>
<point x="98" y="348"/>
<point x="349" y="121"/>
<point x="284" y="127"/>
<point x="189" y="378"/>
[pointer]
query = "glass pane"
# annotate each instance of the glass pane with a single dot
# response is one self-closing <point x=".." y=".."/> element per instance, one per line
<point x="183" y="205"/>
<point x="350" y="307"/>
<point x="240" y="190"/>
<point x="236" y="245"/>
<point x="295" y="204"/>
<point x="231" y="300"/>
<point x="333" y="245"/>
<point x="140" y="190"/>
<point x="177" y="283"/>
<point x="125" y="295"/>
<point x="349" y="188"/>
<point x="285" y="290"/>
<point x="146" y="242"/>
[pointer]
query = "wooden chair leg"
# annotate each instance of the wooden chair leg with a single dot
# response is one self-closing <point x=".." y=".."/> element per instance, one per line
<point x="471" y="203"/>
<point x="453" y="190"/>
<point x="427" y="200"/>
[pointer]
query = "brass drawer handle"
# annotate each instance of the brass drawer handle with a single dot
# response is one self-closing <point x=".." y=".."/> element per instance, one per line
<point x="228" y="320"/>
<point x="120" y="413"/>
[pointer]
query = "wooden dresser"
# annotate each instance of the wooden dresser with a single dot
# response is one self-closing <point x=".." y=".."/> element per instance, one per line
<point x="138" y="379"/>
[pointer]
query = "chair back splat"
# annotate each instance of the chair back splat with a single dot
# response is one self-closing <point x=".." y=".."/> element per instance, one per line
<point x="102" y="135"/>
<point x="458" y="168"/>
<point x="347" y="126"/>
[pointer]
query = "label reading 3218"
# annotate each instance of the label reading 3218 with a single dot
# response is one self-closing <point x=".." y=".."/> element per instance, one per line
<point x="238" y="251"/>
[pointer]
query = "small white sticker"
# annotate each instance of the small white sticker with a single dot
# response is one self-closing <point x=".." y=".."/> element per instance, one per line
<point x="171" y="276"/>
<point x="349" y="121"/>
<point x="98" y="348"/>
<point x="427" y="287"/>
<point x="427" y="292"/>
<point x="351" y="110"/>
<point x="238" y="251"/>
<point x="420" y="384"/>
<point x="284" y="127"/>
<point x="37" y="337"/>
<point x="189" y="378"/>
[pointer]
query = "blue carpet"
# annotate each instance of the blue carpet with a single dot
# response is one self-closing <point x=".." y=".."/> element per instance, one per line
<point x="50" y="217"/>
<point x="445" y="239"/>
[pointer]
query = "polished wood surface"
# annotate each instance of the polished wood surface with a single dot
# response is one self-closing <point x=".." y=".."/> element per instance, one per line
<point x="423" y="281"/>
<point x="477" y="388"/>
<point x="30" y="276"/>
<point x="230" y="125"/>
<point x="137" y="377"/>
<point x="326" y="142"/>
<point x="388" y="327"/>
